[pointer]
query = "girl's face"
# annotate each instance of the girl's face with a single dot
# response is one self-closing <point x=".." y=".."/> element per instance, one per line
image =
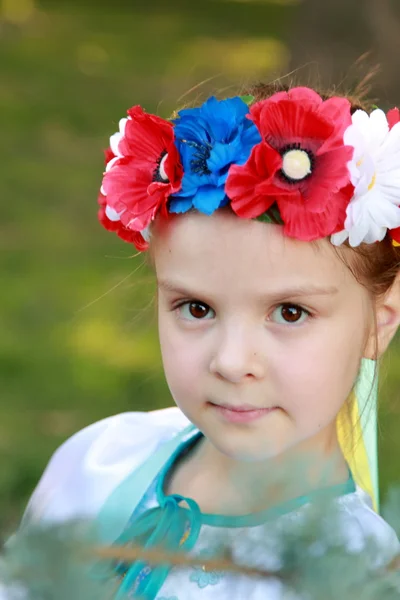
<point x="261" y="336"/>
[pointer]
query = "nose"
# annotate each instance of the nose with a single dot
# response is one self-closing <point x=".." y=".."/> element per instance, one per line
<point x="237" y="356"/>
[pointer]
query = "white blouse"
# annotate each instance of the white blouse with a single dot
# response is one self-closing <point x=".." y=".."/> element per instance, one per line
<point x="89" y="467"/>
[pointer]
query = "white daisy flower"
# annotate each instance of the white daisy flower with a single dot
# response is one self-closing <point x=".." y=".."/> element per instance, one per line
<point x="375" y="174"/>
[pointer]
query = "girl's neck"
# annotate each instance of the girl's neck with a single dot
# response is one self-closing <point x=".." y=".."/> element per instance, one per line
<point x="223" y="485"/>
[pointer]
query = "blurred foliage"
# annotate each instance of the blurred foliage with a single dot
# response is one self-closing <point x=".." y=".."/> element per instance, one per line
<point x="78" y="339"/>
<point x="68" y="561"/>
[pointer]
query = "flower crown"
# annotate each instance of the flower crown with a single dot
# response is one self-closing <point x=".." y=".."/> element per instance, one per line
<point x="313" y="165"/>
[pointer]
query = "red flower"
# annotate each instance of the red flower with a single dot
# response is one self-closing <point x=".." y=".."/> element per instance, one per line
<point x="132" y="237"/>
<point x="393" y="117"/>
<point x="395" y="235"/>
<point x="144" y="170"/>
<point x="249" y="185"/>
<point x="301" y="164"/>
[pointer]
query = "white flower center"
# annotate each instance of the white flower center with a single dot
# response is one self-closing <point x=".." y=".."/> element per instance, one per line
<point x="296" y="164"/>
<point x="161" y="168"/>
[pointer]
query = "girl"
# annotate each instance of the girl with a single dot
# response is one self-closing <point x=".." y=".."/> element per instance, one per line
<point x="272" y="222"/>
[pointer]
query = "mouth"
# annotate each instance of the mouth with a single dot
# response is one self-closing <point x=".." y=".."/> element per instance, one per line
<point x="243" y="413"/>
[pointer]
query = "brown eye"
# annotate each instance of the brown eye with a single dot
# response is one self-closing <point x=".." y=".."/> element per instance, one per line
<point x="291" y="314"/>
<point x="195" y="310"/>
<point x="285" y="314"/>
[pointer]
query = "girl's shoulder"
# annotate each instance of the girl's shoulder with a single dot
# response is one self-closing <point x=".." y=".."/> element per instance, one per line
<point x="86" y="468"/>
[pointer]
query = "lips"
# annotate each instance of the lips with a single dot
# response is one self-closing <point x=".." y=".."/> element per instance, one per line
<point x="243" y="413"/>
<point x="242" y="407"/>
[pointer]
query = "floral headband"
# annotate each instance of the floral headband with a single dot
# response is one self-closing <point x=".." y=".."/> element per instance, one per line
<point x="294" y="158"/>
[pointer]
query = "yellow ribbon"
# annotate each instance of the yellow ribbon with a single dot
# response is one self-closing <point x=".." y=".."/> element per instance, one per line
<point x="357" y="432"/>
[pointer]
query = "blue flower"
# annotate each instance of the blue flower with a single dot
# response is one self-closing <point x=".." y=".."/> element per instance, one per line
<point x="204" y="578"/>
<point x="210" y="139"/>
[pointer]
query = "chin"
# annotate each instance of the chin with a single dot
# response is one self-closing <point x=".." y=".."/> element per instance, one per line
<point x="247" y="450"/>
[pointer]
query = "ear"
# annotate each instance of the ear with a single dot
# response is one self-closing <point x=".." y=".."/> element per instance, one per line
<point x="387" y="321"/>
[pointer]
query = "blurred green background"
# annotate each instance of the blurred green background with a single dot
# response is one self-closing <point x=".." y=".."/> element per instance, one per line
<point x="77" y="329"/>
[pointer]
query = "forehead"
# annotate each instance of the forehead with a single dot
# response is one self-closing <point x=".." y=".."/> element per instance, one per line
<point x="224" y="251"/>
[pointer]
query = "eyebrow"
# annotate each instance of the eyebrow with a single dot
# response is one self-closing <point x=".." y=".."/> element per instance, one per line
<point x="294" y="292"/>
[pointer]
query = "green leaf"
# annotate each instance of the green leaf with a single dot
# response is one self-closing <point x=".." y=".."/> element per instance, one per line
<point x="248" y="99"/>
<point x="271" y="216"/>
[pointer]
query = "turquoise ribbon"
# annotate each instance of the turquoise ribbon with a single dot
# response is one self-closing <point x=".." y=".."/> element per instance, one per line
<point x="124" y="499"/>
<point x="166" y="526"/>
<point x="169" y="527"/>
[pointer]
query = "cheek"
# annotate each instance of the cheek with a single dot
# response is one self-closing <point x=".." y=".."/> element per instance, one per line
<point x="317" y="374"/>
<point x="183" y="361"/>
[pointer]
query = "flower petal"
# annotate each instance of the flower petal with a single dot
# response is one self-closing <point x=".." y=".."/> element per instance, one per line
<point x="337" y="109"/>
<point x="285" y="123"/>
<point x="132" y="182"/>
<point x="223" y="155"/>
<point x="369" y="217"/>
<point x="393" y="117"/>
<point x="337" y="239"/>
<point x="248" y="186"/>
<point x="330" y="175"/>
<point x="395" y="234"/>
<point x="210" y="139"/>
<point x="179" y="205"/>
<point x="208" y="199"/>
<point x="304" y="225"/>
<point x="379" y="127"/>
<point x="115" y="140"/>
<point x="112" y="214"/>
<point x="112" y="162"/>
<point x="360" y="120"/>
<point x="389" y="150"/>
